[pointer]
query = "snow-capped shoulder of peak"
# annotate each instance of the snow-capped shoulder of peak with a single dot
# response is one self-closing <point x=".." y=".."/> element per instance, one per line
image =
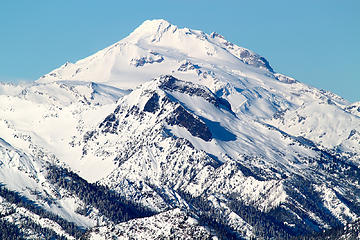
<point x="152" y="27"/>
<point x="354" y="108"/>
<point x="215" y="34"/>
<point x="154" y="24"/>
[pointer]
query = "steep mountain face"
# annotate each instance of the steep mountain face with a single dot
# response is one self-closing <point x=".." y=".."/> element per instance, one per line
<point x="174" y="132"/>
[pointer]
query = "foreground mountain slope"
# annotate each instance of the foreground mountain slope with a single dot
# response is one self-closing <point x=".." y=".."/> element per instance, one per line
<point x="172" y="124"/>
<point x="142" y="137"/>
<point x="169" y="223"/>
<point x="37" y="123"/>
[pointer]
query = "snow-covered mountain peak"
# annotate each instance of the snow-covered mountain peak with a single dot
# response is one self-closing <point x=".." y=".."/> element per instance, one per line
<point x="151" y="25"/>
<point x="152" y="28"/>
<point x="172" y="118"/>
<point x="157" y="47"/>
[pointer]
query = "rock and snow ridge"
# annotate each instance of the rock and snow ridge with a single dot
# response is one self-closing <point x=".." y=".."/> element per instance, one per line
<point x="177" y="123"/>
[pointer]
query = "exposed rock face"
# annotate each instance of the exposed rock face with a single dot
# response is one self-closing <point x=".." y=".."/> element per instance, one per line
<point x="170" y="83"/>
<point x="194" y="125"/>
<point x="152" y="104"/>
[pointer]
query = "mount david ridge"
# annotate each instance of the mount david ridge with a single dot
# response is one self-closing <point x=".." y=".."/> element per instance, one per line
<point x="172" y="133"/>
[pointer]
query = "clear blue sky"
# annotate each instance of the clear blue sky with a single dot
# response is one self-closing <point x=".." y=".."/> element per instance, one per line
<point x="315" y="41"/>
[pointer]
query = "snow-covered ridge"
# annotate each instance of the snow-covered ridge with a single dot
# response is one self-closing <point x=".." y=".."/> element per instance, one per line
<point x="170" y="223"/>
<point x="354" y="108"/>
